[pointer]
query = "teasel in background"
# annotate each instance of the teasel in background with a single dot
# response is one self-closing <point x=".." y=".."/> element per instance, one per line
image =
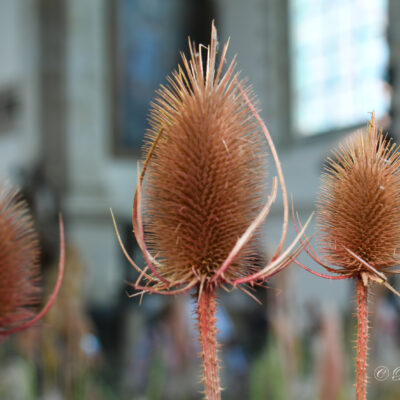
<point x="204" y="178"/>
<point x="19" y="265"/>
<point x="359" y="222"/>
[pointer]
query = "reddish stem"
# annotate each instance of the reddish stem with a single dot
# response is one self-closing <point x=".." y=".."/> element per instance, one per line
<point x="207" y="329"/>
<point x="362" y="339"/>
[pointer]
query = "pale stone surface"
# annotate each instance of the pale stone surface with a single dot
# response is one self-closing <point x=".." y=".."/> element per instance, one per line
<point x="18" y="69"/>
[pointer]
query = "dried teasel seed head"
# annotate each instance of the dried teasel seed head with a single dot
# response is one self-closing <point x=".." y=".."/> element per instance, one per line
<point x="359" y="208"/>
<point x="19" y="256"/>
<point x="206" y="178"/>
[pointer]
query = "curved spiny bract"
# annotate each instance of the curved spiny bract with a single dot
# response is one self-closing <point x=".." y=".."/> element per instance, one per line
<point x="359" y="208"/>
<point x="19" y="256"/>
<point x="206" y="179"/>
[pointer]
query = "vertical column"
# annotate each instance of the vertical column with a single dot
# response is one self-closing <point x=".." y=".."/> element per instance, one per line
<point x="52" y="62"/>
<point x="88" y="140"/>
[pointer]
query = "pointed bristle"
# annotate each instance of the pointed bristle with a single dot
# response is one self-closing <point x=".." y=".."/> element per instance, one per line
<point x="206" y="178"/>
<point x="359" y="208"/>
<point x="19" y="253"/>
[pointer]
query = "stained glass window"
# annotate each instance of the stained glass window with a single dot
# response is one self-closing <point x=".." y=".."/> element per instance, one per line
<point x="339" y="57"/>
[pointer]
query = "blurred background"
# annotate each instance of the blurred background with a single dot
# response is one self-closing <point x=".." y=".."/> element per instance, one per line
<point x="76" y="79"/>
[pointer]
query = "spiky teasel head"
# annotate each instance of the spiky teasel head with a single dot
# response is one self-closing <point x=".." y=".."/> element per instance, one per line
<point x="19" y="256"/>
<point x="207" y="176"/>
<point x="359" y="208"/>
<point x="203" y="182"/>
<point x="19" y="264"/>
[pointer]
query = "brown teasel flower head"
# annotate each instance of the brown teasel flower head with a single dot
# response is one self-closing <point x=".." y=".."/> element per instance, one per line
<point x="207" y="176"/>
<point x="19" y="265"/>
<point x="19" y="255"/>
<point x="359" y="208"/>
<point x="203" y="180"/>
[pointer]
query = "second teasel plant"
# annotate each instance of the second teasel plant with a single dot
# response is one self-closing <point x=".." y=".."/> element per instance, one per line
<point x="19" y="265"/>
<point x="359" y="223"/>
<point x="198" y="204"/>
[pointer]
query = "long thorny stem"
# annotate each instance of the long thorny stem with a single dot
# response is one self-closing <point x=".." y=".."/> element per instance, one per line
<point x="362" y="339"/>
<point x="206" y="319"/>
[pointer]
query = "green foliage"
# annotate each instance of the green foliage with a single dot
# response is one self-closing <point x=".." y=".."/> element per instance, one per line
<point x="156" y="378"/>
<point x="267" y="377"/>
